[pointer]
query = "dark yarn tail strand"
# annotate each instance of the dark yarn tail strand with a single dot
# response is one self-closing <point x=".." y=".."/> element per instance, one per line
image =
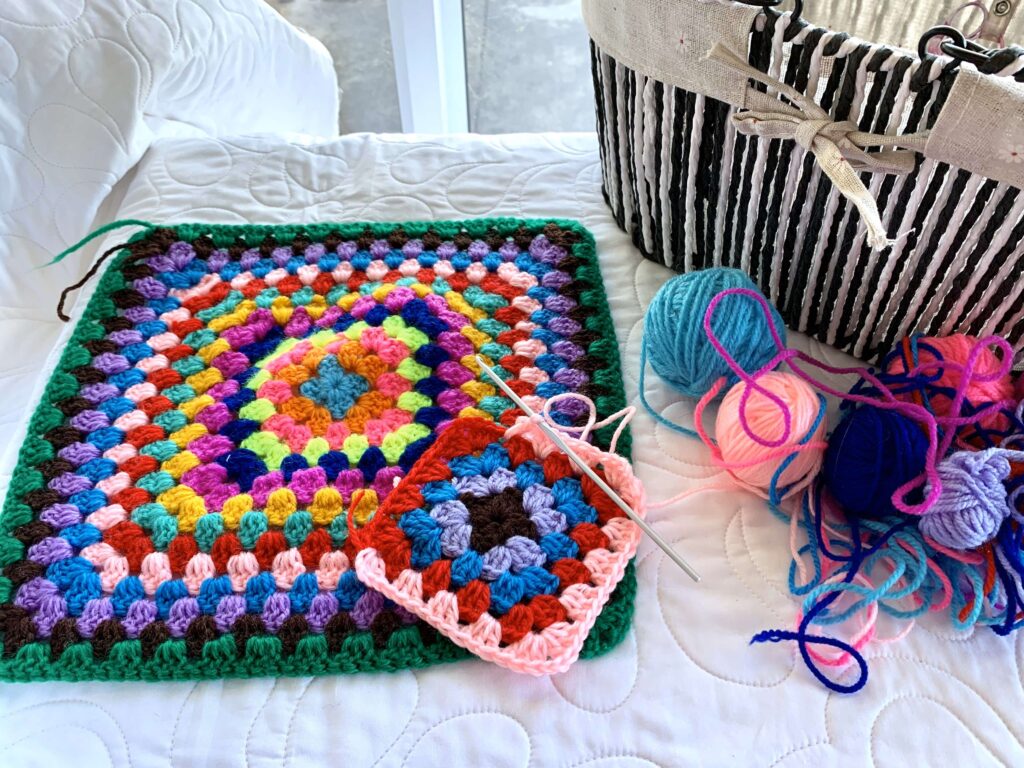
<point x="85" y="279"/>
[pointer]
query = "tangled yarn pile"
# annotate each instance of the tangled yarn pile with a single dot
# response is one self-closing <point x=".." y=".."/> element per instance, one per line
<point x="915" y="502"/>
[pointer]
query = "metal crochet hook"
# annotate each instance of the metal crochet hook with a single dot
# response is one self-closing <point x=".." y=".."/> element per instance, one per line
<point x="557" y="439"/>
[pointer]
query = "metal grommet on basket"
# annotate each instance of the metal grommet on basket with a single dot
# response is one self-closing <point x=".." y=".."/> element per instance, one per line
<point x="952" y="33"/>
<point x="957" y="47"/>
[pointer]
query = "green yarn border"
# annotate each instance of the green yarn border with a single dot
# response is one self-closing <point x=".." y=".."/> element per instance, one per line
<point x="263" y="655"/>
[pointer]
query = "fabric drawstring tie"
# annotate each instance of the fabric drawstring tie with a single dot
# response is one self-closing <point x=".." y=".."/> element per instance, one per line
<point x="838" y="146"/>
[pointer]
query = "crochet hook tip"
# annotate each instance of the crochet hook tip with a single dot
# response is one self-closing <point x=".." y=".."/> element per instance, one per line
<point x="557" y="439"/>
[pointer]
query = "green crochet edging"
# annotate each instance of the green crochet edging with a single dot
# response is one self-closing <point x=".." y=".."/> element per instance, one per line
<point x="405" y="648"/>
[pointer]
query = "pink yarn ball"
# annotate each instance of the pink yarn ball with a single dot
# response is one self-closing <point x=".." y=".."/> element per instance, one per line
<point x="957" y="348"/>
<point x="755" y="464"/>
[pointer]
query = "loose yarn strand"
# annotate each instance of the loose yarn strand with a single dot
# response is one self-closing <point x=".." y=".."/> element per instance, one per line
<point x="889" y="401"/>
<point x="624" y="416"/>
<point x="85" y="279"/>
<point x="818" y="600"/>
<point x="119" y="224"/>
<point x="643" y="396"/>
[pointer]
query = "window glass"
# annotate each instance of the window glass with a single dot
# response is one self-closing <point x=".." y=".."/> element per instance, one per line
<point x="357" y="34"/>
<point x="528" y="66"/>
<point x="527" y="63"/>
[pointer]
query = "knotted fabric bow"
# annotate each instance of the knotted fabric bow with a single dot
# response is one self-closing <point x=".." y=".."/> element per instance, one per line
<point x="838" y="146"/>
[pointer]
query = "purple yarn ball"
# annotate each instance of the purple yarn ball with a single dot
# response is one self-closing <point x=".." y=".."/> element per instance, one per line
<point x="973" y="503"/>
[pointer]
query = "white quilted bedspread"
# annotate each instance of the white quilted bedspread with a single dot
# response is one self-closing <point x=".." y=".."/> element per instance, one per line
<point x="683" y="689"/>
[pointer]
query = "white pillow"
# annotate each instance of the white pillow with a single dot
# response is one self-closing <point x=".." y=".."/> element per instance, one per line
<point x="87" y="85"/>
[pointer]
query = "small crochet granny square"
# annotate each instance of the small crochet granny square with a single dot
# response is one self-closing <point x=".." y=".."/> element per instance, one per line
<point x="498" y="541"/>
<point x="236" y="401"/>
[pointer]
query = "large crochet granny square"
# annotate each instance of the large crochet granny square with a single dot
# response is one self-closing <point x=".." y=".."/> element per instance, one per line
<point x="236" y="401"/>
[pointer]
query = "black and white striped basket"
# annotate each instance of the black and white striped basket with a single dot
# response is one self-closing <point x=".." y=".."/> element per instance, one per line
<point x="694" y="192"/>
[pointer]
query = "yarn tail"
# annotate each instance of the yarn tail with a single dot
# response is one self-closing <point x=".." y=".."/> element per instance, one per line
<point x="803" y="640"/>
<point x="96" y="233"/>
<point x="97" y="263"/>
<point x="767" y="636"/>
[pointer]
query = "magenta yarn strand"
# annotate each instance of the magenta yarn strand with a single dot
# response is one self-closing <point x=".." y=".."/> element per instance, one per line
<point x="889" y="401"/>
<point x="968" y="375"/>
<point x="746" y="378"/>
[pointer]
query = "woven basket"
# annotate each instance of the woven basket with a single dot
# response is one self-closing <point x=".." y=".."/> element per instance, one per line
<point x="694" y="191"/>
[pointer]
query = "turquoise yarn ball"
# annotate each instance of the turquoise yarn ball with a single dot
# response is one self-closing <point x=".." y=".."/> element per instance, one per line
<point x="674" y="338"/>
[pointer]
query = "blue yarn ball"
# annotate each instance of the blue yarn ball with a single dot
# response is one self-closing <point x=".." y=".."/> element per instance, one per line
<point x="678" y="348"/>
<point x="870" y="454"/>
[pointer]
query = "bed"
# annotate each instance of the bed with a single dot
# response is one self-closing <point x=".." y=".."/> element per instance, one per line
<point x="684" y="688"/>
